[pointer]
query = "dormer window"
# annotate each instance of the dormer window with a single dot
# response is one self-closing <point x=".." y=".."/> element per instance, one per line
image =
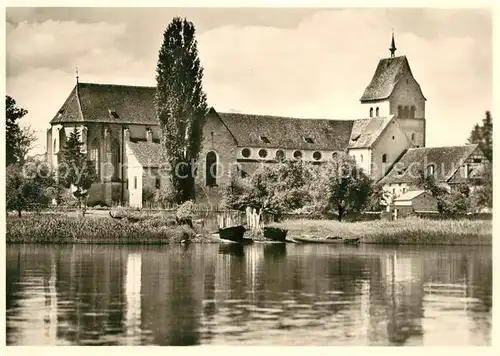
<point x="355" y="138"/>
<point x="401" y="171"/>
<point x="264" y="139"/>
<point x="308" y="140"/>
<point x="114" y="114"/>
<point x="60" y="113"/>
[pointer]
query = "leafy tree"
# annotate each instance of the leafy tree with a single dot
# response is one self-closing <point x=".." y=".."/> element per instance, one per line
<point x="18" y="140"/>
<point x="27" y="186"/>
<point x="235" y="194"/>
<point x="453" y="203"/>
<point x="180" y="103"/>
<point x="344" y="187"/>
<point x="482" y="196"/>
<point x="429" y="183"/>
<point x="76" y="171"/>
<point x="164" y="196"/>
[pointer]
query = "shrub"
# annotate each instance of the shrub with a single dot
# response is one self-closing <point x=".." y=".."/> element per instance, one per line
<point x="184" y="213"/>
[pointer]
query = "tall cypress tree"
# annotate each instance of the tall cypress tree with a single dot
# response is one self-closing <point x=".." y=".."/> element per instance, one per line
<point x="488" y="136"/>
<point x="482" y="135"/>
<point x="180" y="103"/>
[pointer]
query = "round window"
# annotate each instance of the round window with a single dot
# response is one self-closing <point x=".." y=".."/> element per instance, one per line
<point x="334" y="155"/>
<point x="262" y="153"/>
<point x="317" y="155"/>
<point x="245" y="152"/>
<point x="297" y="154"/>
<point x="280" y="155"/>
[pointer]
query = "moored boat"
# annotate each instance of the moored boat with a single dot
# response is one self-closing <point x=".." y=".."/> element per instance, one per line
<point x="234" y="234"/>
<point x="328" y="240"/>
<point x="275" y="233"/>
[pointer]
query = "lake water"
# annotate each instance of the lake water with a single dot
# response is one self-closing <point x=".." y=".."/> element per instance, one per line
<point x="260" y="294"/>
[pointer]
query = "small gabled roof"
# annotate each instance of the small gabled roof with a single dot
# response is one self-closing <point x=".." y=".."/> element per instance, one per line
<point x="288" y="132"/>
<point x="446" y="161"/>
<point x="410" y="195"/>
<point x="388" y="73"/>
<point x="366" y="131"/>
<point x="148" y="154"/>
<point x="108" y="103"/>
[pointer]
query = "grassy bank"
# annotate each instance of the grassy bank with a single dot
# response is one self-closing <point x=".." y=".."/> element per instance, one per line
<point x="63" y="229"/>
<point x="404" y="231"/>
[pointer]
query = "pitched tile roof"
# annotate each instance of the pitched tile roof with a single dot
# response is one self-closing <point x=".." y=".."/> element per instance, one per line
<point x="149" y="154"/>
<point x="389" y="71"/>
<point x="70" y="111"/>
<point x="446" y="161"/>
<point x="366" y="131"/>
<point x="286" y="132"/>
<point x="132" y="104"/>
<point x="409" y="195"/>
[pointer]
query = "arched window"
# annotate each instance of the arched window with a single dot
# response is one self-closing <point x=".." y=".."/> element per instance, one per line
<point x="413" y="136"/>
<point x="400" y="111"/>
<point x="412" y="112"/>
<point x="334" y="155"/>
<point x="377" y="112"/>
<point x="94" y="154"/>
<point x="384" y="158"/>
<point x="371" y="112"/>
<point x="361" y="158"/>
<point x="211" y="169"/>
<point x="55" y="146"/>
<point x="405" y="112"/>
<point x="431" y="169"/>
<point x="115" y="159"/>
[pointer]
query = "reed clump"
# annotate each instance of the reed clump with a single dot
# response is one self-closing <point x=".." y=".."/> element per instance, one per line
<point x="404" y="231"/>
<point x="63" y="229"/>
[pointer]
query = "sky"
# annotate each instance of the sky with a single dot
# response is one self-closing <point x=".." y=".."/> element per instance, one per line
<point x="311" y="63"/>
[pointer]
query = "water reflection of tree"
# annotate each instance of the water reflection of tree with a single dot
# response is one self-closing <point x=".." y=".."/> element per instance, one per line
<point x="171" y="301"/>
<point x="13" y="267"/>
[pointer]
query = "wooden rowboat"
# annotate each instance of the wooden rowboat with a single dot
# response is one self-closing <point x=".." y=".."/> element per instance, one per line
<point x="275" y="234"/>
<point x="328" y="240"/>
<point x="234" y="234"/>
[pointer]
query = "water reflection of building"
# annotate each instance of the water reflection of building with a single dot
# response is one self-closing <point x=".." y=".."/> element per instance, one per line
<point x="254" y="256"/>
<point x="403" y="281"/>
<point x="450" y="295"/>
<point x="51" y="303"/>
<point x="132" y="288"/>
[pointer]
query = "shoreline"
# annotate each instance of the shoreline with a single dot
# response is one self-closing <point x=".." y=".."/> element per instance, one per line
<point x="62" y="229"/>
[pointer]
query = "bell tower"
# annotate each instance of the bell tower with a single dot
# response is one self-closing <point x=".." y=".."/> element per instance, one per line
<point x="394" y="91"/>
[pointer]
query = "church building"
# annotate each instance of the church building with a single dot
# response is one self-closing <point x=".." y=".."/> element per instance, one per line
<point x="121" y="136"/>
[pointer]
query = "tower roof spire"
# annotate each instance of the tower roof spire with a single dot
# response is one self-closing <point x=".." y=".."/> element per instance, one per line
<point x="77" y="75"/>
<point x="393" y="45"/>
